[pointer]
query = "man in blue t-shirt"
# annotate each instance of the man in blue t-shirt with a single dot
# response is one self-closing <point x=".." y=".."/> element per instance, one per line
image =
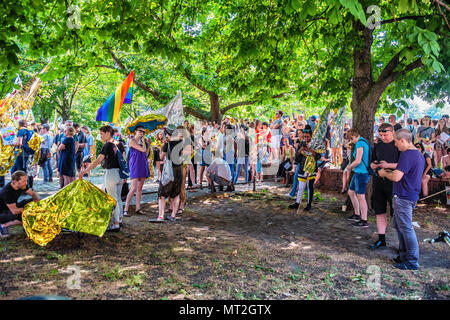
<point x="360" y="179"/>
<point x="407" y="179"/>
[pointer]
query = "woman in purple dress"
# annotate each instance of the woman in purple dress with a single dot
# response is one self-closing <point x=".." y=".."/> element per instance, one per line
<point x="138" y="164"/>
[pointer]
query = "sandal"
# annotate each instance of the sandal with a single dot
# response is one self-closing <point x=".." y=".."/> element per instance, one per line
<point x="157" y="220"/>
<point x="125" y="214"/>
<point x="180" y="211"/>
<point x="139" y="212"/>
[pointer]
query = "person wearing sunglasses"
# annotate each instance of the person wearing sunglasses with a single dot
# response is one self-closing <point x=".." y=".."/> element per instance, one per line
<point x="139" y="170"/>
<point x="384" y="156"/>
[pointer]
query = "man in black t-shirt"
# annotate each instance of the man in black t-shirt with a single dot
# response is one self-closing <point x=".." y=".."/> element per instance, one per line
<point x="384" y="155"/>
<point x="10" y="213"/>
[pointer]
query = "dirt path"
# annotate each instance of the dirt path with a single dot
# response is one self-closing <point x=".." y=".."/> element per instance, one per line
<point x="240" y="245"/>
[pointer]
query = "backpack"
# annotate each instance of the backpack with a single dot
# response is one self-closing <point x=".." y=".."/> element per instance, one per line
<point x="167" y="172"/>
<point x="124" y="170"/>
<point x="26" y="146"/>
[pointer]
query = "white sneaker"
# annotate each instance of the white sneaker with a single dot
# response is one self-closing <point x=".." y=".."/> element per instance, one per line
<point x="289" y="195"/>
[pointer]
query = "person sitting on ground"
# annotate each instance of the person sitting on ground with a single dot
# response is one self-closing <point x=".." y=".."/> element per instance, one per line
<point x="220" y="173"/>
<point x="10" y="210"/>
<point x="322" y="163"/>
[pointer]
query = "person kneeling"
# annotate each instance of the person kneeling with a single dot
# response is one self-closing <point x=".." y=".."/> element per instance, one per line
<point x="10" y="209"/>
<point x="220" y="173"/>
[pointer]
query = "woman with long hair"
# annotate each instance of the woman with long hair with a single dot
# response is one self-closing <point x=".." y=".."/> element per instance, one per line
<point x="205" y="143"/>
<point x="159" y="141"/>
<point x="427" y="172"/>
<point x="139" y="170"/>
<point x="67" y="156"/>
<point x="439" y="147"/>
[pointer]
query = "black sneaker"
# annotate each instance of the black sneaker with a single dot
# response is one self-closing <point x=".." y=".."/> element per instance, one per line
<point x="377" y="245"/>
<point x="405" y="266"/>
<point x="294" y="206"/>
<point x="354" y="217"/>
<point x="3" y="232"/>
<point x="307" y="208"/>
<point x="397" y="260"/>
<point x="113" y="229"/>
<point x="360" y="224"/>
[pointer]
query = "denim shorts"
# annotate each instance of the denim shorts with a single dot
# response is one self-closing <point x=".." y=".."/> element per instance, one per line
<point x="359" y="182"/>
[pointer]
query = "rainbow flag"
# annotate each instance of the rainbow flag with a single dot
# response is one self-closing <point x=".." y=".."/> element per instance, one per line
<point x="109" y="111"/>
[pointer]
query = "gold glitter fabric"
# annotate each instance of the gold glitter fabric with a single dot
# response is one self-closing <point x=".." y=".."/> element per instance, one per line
<point x="80" y="206"/>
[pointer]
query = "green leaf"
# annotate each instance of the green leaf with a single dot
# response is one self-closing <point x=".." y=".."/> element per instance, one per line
<point x="403" y="6"/>
<point x="430" y="35"/>
<point x="355" y="9"/>
<point x="426" y="48"/>
<point x="421" y="39"/>
<point x="435" y="48"/>
<point x="296" y="4"/>
<point x="437" y="66"/>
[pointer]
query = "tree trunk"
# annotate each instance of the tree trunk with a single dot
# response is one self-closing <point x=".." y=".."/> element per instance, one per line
<point x="215" y="107"/>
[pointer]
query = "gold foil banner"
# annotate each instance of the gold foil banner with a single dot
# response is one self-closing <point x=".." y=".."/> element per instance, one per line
<point x="8" y="155"/>
<point x="35" y="144"/>
<point x="80" y="206"/>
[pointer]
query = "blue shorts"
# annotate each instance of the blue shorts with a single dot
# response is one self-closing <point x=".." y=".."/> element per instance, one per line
<point x="359" y="182"/>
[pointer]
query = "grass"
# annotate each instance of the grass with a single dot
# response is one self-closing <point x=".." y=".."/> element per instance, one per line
<point x="135" y="281"/>
<point x="114" y="274"/>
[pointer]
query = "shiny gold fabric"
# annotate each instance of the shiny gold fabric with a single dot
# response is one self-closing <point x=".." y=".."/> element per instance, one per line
<point x="35" y="144"/>
<point x="80" y="206"/>
<point x="8" y="155"/>
<point x="159" y="121"/>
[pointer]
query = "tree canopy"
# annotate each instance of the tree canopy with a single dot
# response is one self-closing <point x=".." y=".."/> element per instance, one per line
<point x="241" y="57"/>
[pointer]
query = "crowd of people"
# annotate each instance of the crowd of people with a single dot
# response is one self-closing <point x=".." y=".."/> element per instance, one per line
<point x="401" y="161"/>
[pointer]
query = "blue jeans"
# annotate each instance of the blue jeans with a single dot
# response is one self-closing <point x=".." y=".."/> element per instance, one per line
<point x="238" y="170"/>
<point x="48" y="172"/>
<point x="232" y="166"/>
<point x="295" y="184"/>
<point x="21" y="163"/>
<point x="402" y="222"/>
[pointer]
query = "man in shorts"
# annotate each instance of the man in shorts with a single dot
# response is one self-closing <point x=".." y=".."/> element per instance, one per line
<point x="384" y="156"/>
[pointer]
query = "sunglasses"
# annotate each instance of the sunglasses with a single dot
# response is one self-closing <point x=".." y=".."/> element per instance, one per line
<point x="143" y="131"/>
<point x="384" y="130"/>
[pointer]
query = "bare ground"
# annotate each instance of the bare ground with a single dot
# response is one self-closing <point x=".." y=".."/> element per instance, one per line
<point x="244" y="245"/>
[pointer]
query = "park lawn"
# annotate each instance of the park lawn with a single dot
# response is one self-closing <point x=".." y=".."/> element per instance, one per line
<point x="244" y="245"/>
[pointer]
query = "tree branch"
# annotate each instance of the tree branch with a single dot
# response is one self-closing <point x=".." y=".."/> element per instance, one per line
<point x="153" y="92"/>
<point x="196" y="113"/>
<point x="390" y="67"/>
<point x="440" y="3"/>
<point x="404" y="18"/>
<point x="199" y="87"/>
<point x="248" y="102"/>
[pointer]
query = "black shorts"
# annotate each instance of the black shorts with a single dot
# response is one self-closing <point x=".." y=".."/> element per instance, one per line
<point x="8" y="217"/>
<point x="382" y="195"/>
